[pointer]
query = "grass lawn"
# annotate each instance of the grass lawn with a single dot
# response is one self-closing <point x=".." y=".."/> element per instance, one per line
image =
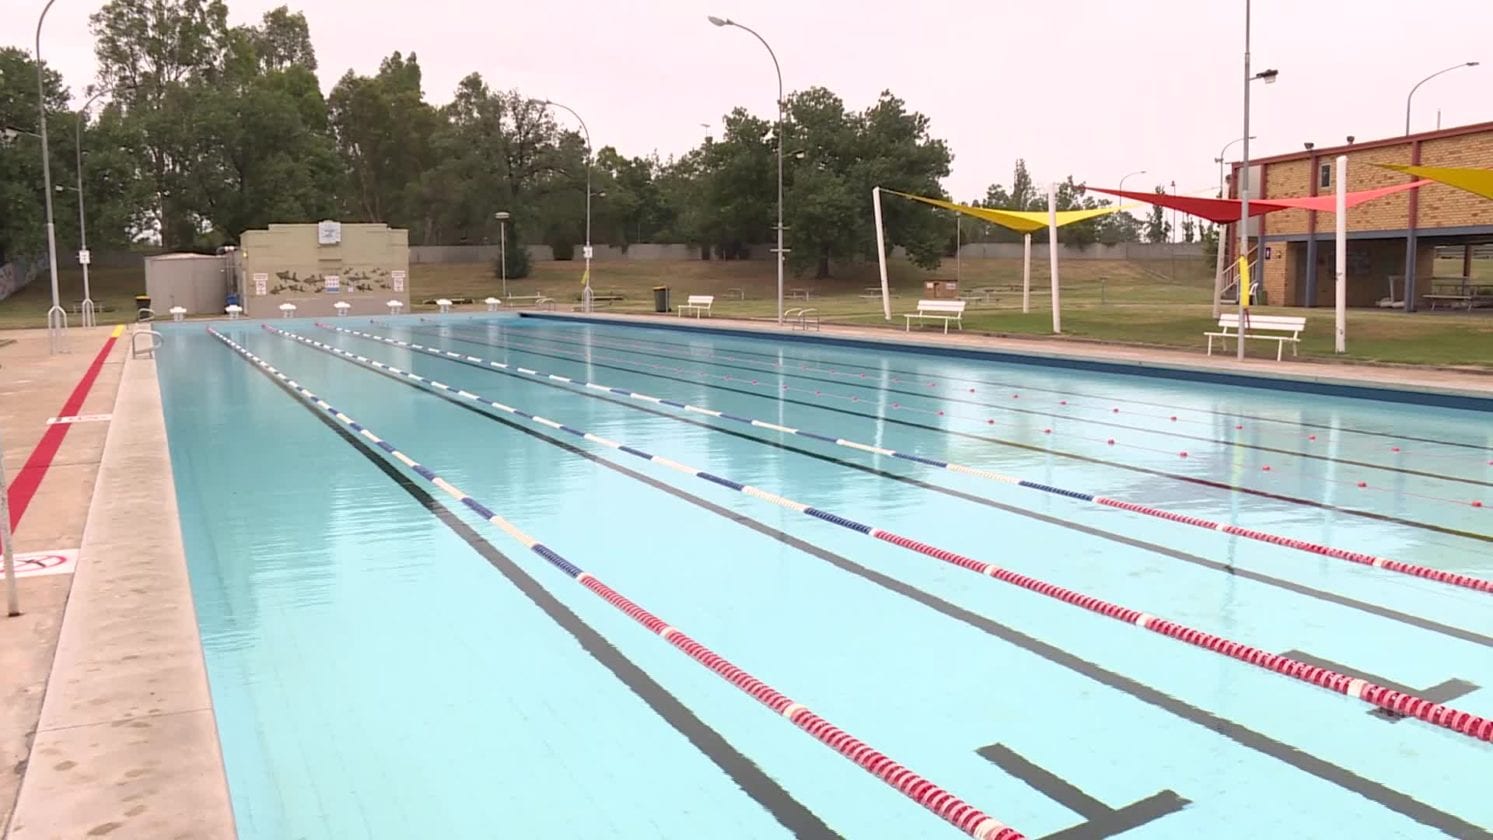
<point x="1154" y="303"/>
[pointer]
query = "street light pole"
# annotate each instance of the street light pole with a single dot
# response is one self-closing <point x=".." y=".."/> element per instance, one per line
<point x="1268" y="76"/>
<point x="503" y="216"/>
<point x="777" y="67"/>
<point x="585" y="292"/>
<point x="84" y="258"/>
<point x="1218" y="249"/>
<point x="1427" y="79"/>
<point x="56" y="316"/>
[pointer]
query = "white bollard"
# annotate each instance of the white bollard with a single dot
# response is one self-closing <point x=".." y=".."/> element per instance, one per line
<point x="444" y="304"/>
<point x="395" y="306"/>
<point x="493" y="304"/>
<point x="341" y="306"/>
<point x="234" y="311"/>
<point x="177" y="312"/>
<point x="287" y="310"/>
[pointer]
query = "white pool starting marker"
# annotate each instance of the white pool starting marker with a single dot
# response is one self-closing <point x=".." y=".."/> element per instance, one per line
<point x="79" y="418"/>
<point x="62" y="561"/>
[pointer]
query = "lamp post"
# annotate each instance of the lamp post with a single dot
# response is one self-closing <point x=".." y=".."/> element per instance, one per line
<point x="84" y="258"/>
<point x="727" y="22"/>
<point x="1268" y="76"/>
<point x="503" y="216"/>
<point x="1131" y="175"/>
<point x="56" y="316"/>
<point x="1218" y="249"/>
<point x="585" y="292"/>
<point x="1427" y="79"/>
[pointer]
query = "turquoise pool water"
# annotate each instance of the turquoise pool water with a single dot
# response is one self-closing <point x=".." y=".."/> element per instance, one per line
<point x="385" y="663"/>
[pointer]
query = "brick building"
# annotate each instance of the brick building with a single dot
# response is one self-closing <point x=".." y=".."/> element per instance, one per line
<point x="1298" y="245"/>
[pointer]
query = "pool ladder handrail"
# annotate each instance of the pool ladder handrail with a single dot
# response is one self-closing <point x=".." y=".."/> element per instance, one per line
<point x="800" y="317"/>
<point x="143" y="328"/>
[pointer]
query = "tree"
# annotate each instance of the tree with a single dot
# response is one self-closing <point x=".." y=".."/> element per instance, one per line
<point x="22" y="194"/>
<point x="1189" y="229"/>
<point x="383" y="129"/>
<point x="1157" y="228"/>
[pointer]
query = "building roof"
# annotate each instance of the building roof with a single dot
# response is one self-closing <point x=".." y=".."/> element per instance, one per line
<point x="1333" y="151"/>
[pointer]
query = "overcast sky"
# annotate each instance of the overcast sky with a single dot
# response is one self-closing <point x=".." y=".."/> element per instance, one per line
<point x="1095" y="88"/>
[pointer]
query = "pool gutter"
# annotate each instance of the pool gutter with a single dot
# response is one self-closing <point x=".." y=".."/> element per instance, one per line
<point x="127" y="741"/>
<point x="1416" y="386"/>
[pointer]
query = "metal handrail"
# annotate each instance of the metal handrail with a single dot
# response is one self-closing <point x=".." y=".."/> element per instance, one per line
<point x="156" y="340"/>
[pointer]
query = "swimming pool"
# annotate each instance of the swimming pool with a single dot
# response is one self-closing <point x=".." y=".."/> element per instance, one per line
<point x="387" y="660"/>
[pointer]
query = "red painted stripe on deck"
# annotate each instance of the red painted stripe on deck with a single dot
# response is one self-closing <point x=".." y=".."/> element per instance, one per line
<point x="23" y="488"/>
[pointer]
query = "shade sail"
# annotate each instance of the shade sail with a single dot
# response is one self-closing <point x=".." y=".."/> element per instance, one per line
<point x="1218" y="210"/>
<point x="1475" y="181"/>
<point x="1021" y="221"/>
<point x="1328" y="203"/>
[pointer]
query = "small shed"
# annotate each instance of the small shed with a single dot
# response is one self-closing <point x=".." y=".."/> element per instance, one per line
<point x="198" y="283"/>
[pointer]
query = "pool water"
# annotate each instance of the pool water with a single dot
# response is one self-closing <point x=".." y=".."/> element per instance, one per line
<point x="386" y="663"/>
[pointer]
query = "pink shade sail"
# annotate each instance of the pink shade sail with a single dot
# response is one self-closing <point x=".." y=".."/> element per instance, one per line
<point x="1328" y="203"/>
<point x="1219" y="210"/>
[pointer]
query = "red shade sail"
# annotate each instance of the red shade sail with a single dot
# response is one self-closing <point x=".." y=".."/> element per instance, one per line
<point x="1219" y="210"/>
<point x="1225" y="210"/>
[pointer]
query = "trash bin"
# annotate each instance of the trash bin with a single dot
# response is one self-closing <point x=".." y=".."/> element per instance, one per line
<point x="141" y="302"/>
<point x="660" y="298"/>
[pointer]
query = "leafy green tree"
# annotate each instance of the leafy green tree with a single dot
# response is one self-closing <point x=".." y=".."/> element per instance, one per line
<point x="383" y="128"/>
<point x="1157" y="228"/>
<point x="22" y="213"/>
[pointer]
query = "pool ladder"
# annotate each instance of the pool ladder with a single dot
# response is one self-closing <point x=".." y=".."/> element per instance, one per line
<point x="142" y="329"/>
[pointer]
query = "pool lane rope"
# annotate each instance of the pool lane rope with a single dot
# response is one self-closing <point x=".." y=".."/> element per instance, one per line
<point x="1099" y="399"/>
<point x="1358" y="557"/>
<point x="1456" y="720"/>
<point x="947" y="806"/>
<point x="541" y="346"/>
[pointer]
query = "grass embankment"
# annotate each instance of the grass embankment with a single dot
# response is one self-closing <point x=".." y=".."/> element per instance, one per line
<point x="1153" y="303"/>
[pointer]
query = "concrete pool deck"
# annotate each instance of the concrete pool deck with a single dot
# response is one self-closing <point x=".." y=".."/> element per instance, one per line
<point x="107" y="718"/>
<point x="124" y="739"/>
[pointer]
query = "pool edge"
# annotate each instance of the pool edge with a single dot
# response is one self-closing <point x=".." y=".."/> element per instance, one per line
<point x="127" y="737"/>
<point x="1103" y="359"/>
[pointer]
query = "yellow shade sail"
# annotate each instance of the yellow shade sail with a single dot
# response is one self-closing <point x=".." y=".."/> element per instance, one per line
<point x="1021" y="221"/>
<point x="1475" y="181"/>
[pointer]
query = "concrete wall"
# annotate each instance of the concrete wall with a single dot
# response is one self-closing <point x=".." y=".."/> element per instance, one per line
<point x="295" y="267"/>
<point x="664" y="252"/>
<point x="197" y="283"/>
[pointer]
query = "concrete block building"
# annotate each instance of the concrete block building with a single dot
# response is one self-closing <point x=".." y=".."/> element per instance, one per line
<point x="316" y="265"/>
<point x="1392" y="241"/>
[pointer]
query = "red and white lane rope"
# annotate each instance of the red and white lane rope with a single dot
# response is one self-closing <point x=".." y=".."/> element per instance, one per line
<point x="947" y="806"/>
<point x="1465" y="723"/>
<point x="1357" y="557"/>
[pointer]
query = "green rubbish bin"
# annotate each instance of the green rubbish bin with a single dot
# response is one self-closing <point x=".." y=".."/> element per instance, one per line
<point x="141" y="302"/>
<point x="660" y="298"/>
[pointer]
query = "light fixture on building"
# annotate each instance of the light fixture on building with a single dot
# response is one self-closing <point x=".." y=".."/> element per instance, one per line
<point x="1309" y="145"/>
<point x="1351" y="138"/>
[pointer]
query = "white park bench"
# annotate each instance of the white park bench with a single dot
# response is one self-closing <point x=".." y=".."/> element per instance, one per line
<point x="1278" y="328"/>
<point x="944" y="310"/>
<point x="696" y="304"/>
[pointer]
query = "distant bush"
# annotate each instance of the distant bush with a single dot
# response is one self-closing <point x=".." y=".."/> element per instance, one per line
<point x="518" y="263"/>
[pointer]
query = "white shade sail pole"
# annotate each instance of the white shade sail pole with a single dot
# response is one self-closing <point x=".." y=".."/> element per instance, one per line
<point x="1342" y="253"/>
<point x="886" y="294"/>
<point x="1026" y="274"/>
<point x="1052" y="256"/>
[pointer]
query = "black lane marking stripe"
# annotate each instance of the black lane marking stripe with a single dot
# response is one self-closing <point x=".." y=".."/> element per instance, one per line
<point x="1342" y="777"/>
<point x="1203" y="482"/>
<point x="1100" y="820"/>
<point x="1227" y="414"/>
<point x="753" y="781"/>
<point x="1036" y="413"/>
<point x="1442" y="692"/>
<point x="1410" y="619"/>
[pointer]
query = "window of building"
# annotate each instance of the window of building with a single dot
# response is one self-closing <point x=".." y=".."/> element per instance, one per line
<point x="1324" y="176"/>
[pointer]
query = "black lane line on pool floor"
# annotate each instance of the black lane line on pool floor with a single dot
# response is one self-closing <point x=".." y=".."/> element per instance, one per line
<point x="1442" y="692"/>
<point x="1204" y="482"/>
<point x="1381" y="794"/>
<point x="900" y="351"/>
<point x="1170" y="433"/>
<point x="1100" y="820"/>
<point x="1410" y="619"/>
<point x="753" y="781"/>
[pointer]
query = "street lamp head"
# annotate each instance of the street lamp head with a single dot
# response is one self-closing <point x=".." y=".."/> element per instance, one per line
<point x="1268" y="76"/>
<point x="502" y="215"/>
<point x="1473" y="63"/>
<point x="718" y="21"/>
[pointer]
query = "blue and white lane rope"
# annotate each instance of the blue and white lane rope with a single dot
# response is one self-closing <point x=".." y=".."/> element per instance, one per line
<point x="1395" y="701"/>
<point x="1358" y="557"/>
<point x="947" y="806"/>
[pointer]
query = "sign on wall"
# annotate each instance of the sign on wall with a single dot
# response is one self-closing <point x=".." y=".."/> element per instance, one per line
<point x="397" y="279"/>
<point x="331" y="284"/>
<point x="261" y="283"/>
<point x="328" y="233"/>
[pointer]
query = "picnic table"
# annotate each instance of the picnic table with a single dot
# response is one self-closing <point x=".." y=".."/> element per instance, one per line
<point x="1458" y="292"/>
<point x="800" y="293"/>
